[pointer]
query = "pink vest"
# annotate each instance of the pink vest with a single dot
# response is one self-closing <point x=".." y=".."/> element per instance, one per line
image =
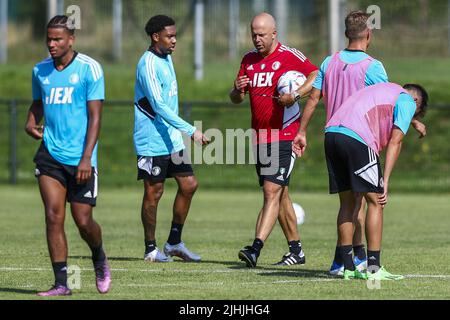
<point x="342" y="80"/>
<point x="370" y="113"/>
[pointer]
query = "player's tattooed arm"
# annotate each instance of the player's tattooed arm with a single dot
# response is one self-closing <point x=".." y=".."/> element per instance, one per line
<point x="35" y="114"/>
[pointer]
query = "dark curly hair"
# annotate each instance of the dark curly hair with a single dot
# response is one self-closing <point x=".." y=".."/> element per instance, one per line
<point x="61" y="22"/>
<point x="158" y="23"/>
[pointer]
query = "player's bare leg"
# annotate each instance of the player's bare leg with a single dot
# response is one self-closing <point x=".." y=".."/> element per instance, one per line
<point x="186" y="190"/>
<point x="53" y="195"/>
<point x="89" y="229"/>
<point x="360" y="221"/>
<point x="187" y="185"/>
<point x="152" y="194"/>
<point x="91" y="232"/>
<point x="374" y="228"/>
<point x="349" y="206"/>
<point x="271" y="208"/>
<point x="359" y="250"/>
<point x="287" y="218"/>
<point x="288" y="223"/>
<point x="265" y="223"/>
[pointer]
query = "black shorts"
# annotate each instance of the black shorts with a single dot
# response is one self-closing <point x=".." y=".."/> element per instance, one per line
<point x="157" y="169"/>
<point x="352" y="165"/>
<point x="46" y="165"/>
<point x="277" y="170"/>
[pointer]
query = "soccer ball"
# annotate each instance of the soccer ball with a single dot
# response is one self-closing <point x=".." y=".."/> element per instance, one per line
<point x="299" y="213"/>
<point x="290" y="81"/>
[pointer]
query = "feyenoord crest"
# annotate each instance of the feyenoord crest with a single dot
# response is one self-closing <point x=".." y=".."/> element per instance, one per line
<point x="74" y="78"/>
<point x="276" y="65"/>
<point x="156" y="171"/>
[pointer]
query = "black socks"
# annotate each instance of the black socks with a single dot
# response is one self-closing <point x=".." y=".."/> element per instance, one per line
<point x="373" y="259"/>
<point x="60" y="272"/>
<point x="175" y="233"/>
<point x="346" y="253"/>
<point x="295" y="247"/>
<point x="360" y="252"/>
<point x="258" y="244"/>
<point x="98" y="255"/>
<point x="150" y="246"/>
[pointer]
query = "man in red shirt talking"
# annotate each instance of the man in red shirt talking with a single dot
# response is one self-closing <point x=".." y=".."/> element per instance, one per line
<point x="275" y="120"/>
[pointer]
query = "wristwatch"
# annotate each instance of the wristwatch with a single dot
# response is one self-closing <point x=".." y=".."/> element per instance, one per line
<point x="296" y="96"/>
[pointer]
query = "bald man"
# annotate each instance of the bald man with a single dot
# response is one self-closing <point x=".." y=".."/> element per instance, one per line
<point x="275" y="121"/>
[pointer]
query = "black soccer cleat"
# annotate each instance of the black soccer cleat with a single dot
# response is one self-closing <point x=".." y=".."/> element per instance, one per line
<point x="249" y="256"/>
<point x="290" y="259"/>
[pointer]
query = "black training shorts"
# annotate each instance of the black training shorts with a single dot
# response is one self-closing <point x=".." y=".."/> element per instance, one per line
<point x="352" y="165"/>
<point x="46" y="165"/>
<point x="274" y="162"/>
<point x="157" y="169"/>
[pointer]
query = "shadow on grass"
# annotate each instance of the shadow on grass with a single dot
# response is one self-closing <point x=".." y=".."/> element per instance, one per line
<point x="22" y="291"/>
<point x="297" y="273"/>
<point x="284" y="271"/>
<point x="109" y="258"/>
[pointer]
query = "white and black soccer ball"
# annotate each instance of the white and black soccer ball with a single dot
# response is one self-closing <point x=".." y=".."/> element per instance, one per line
<point x="290" y="81"/>
<point x="299" y="213"/>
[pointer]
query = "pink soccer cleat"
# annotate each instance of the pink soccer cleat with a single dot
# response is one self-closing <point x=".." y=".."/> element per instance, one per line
<point x="103" y="277"/>
<point x="55" y="291"/>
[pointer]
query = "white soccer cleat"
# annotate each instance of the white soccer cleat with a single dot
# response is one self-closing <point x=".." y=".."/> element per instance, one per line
<point x="180" y="250"/>
<point x="156" y="256"/>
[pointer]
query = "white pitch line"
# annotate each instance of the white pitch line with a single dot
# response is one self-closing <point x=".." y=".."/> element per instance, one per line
<point x="444" y="276"/>
<point x="257" y="271"/>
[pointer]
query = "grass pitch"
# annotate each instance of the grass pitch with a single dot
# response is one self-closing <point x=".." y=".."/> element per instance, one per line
<point x="415" y="244"/>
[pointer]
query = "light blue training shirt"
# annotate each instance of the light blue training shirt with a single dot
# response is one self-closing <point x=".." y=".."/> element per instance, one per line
<point x="64" y="94"/>
<point x="157" y="126"/>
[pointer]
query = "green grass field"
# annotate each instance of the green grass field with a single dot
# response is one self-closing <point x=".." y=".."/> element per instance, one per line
<point x="415" y="244"/>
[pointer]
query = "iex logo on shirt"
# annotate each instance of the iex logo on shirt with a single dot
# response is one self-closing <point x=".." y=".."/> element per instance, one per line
<point x="262" y="79"/>
<point x="60" y="96"/>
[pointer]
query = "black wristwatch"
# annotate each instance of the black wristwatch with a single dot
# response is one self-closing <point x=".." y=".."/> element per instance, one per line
<point x="296" y="96"/>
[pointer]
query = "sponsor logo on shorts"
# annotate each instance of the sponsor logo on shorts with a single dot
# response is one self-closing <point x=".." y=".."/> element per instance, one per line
<point x="156" y="171"/>
<point x="282" y="170"/>
<point x="37" y="172"/>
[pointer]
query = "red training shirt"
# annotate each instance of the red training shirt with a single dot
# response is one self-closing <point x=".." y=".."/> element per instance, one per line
<point x="264" y="73"/>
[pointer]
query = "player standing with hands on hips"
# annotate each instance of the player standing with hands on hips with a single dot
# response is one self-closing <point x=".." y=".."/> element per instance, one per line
<point x="275" y="120"/>
<point x="68" y="93"/>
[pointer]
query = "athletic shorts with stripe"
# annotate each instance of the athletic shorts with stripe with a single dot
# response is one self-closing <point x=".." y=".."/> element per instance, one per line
<point x="46" y="165"/>
<point x="352" y="165"/>
<point x="274" y="162"/>
<point x="159" y="168"/>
